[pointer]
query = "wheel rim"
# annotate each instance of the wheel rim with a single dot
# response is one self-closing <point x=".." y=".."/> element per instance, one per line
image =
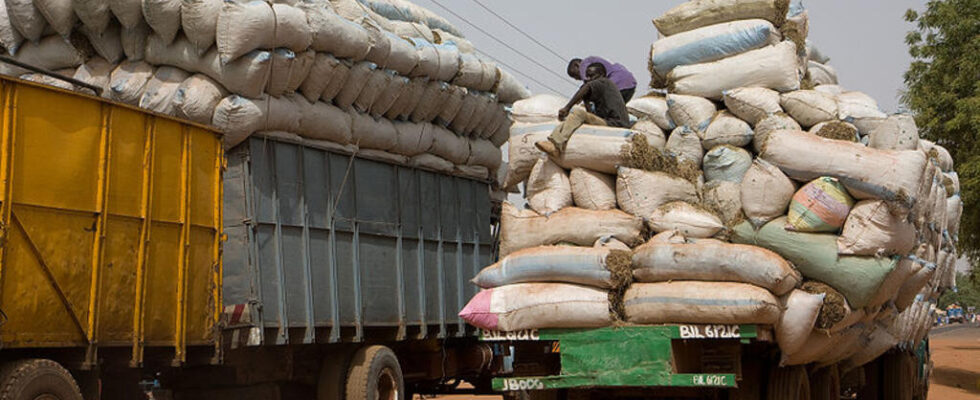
<point x="387" y="388"/>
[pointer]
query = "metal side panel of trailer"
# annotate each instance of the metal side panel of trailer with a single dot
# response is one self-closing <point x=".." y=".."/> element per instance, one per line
<point x="325" y="247"/>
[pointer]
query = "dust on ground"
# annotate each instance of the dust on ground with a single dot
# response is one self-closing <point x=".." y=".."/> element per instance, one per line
<point x="956" y="364"/>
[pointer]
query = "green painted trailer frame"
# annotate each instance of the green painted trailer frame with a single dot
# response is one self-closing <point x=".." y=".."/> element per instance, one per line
<point x="622" y="357"/>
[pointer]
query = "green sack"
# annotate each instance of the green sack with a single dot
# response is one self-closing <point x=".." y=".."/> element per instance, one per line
<point x="815" y="255"/>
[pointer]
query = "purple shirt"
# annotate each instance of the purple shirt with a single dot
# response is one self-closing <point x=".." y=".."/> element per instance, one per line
<point x="615" y="72"/>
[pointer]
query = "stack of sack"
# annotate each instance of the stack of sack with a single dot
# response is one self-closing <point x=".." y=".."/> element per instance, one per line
<point x="840" y="236"/>
<point x="403" y="86"/>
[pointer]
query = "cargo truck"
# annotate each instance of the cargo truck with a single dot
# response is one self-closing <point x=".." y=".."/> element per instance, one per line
<point x="135" y="249"/>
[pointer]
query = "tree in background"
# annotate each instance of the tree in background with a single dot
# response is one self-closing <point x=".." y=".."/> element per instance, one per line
<point x="967" y="294"/>
<point x="943" y="92"/>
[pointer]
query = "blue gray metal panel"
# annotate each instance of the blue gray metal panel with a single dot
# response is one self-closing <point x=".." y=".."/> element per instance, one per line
<point x="324" y="240"/>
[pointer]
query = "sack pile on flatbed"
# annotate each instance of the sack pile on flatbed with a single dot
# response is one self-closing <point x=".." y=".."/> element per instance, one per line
<point x="384" y="76"/>
<point x="841" y="236"/>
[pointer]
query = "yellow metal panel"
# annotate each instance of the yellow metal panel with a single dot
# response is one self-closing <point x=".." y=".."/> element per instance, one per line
<point x="57" y="152"/>
<point x="126" y="174"/>
<point x="96" y="206"/>
<point x="167" y="181"/>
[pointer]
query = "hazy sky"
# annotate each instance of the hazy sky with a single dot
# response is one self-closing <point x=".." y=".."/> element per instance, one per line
<point x="864" y="38"/>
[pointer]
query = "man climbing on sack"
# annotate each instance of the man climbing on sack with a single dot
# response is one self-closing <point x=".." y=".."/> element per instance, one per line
<point x="603" y="98"/>
<point x="616" y="72"/>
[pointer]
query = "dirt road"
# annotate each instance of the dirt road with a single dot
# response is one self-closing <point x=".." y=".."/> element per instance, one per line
<point x="956" y="361"/>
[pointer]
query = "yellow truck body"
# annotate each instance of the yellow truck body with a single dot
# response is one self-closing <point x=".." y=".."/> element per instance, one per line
<point x="110" y="225"/>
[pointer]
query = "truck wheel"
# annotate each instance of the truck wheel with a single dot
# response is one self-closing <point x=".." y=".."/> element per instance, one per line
<point x="898" y="377"/>
<point x="788" y="383"/>
<point x="825" y="384"/>
<point x="37" y="379"/>
<point x="375" y="375"/>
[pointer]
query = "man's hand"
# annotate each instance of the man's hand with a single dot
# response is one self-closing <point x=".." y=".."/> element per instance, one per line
<point x="562" y="114"/>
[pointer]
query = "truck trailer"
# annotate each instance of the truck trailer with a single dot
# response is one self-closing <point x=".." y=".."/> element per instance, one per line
<point x="135" y="249"/>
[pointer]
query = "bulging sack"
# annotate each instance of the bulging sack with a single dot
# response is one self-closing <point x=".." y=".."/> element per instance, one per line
<point x="593" y="190"/>
<point x="897" y="132"/>
<point x="199" y="20"/>
<point x="161" y="90"/>
<point x="726" y="129"/>
<point x="521" y="229"/>
<point x="711" y="43"/>
<point x="772" y="123"/>
<point x="641" y="192"/>
<point x="197" y="97"/>
<point x="247" y="76"/>
<point x="775" y="67"/>
<point x="379" y="134"/>
<point x="596" y="267"/>
<point x="538" y="109"/>
<point x="725" y="199"/>
<point x="548" y="188"/>
<point x="875" y="228"/>
<point x="700" y="303"/>
<point x="538" y="306"/>
<point x="714" y="261"/>
<point x="685" y="218"/>
<point x="815" y="256"/>
<point x="695" y="14"/>
<point x="809" y="107"/>
<point x="655" y="137"/>
<point x="866" y="173"/>
<point x="819" y="206"/>
<point x="238" y="117"/>
<point x="685" y="145"/>
<point x="800" y="311"/>
<point x="752" y="104"/>
<point x="128" y="81"/>
<point x="598" y="148"/>
<point x="163" y="16"/>
<point x="821" y="74"/>
<point x="726" y="163"/>
<point x="690" y="111"/>
<point x="653" y="107"/>
<point x="765" y="192"/>
<point x="247" y="26"/>
<point x="837" y="130"/>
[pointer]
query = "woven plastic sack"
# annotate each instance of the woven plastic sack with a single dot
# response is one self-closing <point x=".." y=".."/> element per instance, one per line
<point x="752" y="104"/>
<point x="799" y="316"/>
<point x="558" y="264"/>
<point x="695" y="14"/>
<point x="726" y="129"/>
<point x="711" y="43"/>
<point x="521" y="229"/>
<point x="593" y="190"/>
<point x="653" y="107"/>
<point x="809" y="107"/>
<point x="765" y="193"/>
<point x="686" y="219"/>
<point x="875" y="228"/>
<point x="548" y="188"/>
<point x="700" y="303"/>
<point x="819" y="206"/>
<point x="538" y="306"/>
<point x="690" y="111"/>
<point x="775" y="67"/>
<point x="641" y="192"/>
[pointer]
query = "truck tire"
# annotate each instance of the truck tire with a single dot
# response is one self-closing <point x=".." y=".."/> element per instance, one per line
<point x="788" y="383"/>
<point x="825" y="384"/>
<point x="898" y="377"/>
<point x="37" y="379"/>
<point x="374" y="374"/>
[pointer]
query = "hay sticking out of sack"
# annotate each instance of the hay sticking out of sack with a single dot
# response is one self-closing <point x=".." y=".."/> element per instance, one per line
<point x="620" y="264"/>
<point x="834" y="308"/>
<point x="838" y="130"/>
<point x="639" y="154"/>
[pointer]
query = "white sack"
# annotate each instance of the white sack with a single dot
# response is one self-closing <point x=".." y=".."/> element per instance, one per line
<point x="26" y="19"/>
<point x="897" y="132"/>
<point x="872" y="229"/>
<point x="715" y="261"/>
<point x="711" y="43"/>
<point x="809" y="107"/>
<point x="653" y="107"/>
<point x="685" y="218"/>
<point x="163" y="16"/>
<point x="725" y="199"/>
<point x="376" y="133"/>
<point x="695" y="14"/>
<point x="520" y="229"/>
<point x="548" y="188"/>
<point x="128" y="81"/>
<point x="161" y="90"/>
<point x="593" y="190"/>
<point x="774" y="67"/>
<point x="800" y="311"/>
<point x="752" y="104"/>
<point x="766" y="192"/>
<point x="450" y="146"/>
<point x="690" y="111"/>
<point x="726" y="129"/>
<point x="199" y="20"/>
<point x="197" y="97"/>
<point x="866" y="173"/>
<point x="94" y="14"/>
<point x="538" y="306"/>
<point x="700" y="303"/>
<point x="641" y="192"/>
<point x="685" y="144"/>
<point x="821" y="74"/>
<point x="772" y="123"/>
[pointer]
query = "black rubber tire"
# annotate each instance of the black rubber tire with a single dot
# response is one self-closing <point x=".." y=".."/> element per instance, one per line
<point x="32" y="378"/>
<point x="898" y="377"/>
<point x="825" y="384"/>
<point x="374" y="374"/>
<point x="788" y="383"/>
